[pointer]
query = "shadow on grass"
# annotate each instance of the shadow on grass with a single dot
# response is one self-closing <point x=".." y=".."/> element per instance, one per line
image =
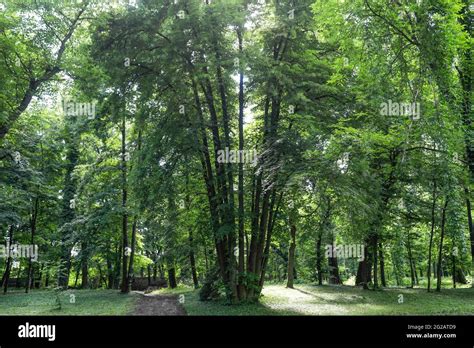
<point x="349" y="300"/>
<point x="337" y="294"/>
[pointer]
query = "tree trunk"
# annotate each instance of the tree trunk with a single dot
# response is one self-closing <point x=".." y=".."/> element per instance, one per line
<point x="207" y="172"/>
<point x="374" y="246"/>
<point x="470" y="224"/>
<point x="228" y="194"/>
<point x="453" y="260"/>
<point x="333" y="266"/>
<point x="77" y="277"/>
<point x="319" y="258"/>
<point x="416" y="273"/>
<point x="8" y="266"/>
<point x="172" y="276"/>
<point x="68" y="206"/>
<point x="334" y="271"/>
<point x="433" y="206"/>
<point x="382" y="266"/>
<point x="156" y="269"/>
<point x="291" y="257"/>
<point x="132" y="253"/>
<point x="134" y="227"/>
<point x="369" y="267"/>
<point x="362" y="277"/>
<point x="205" y="258"/>
<point x="30" y="92"/>
<point x="460" y="276"/>
<point x="220" y="192"/>
<point x="410" y="261"/>
<point x="125" y="288"/>
<point x="85" y="268"/>
<point x="465" y="78"/>
<point x="440" y="254"/>
<point x="33" y="219"/>
<point x="118" y="265"/>
<point x="271" y="223"/>
<point x="192" y="260"/>
<point x="241" y="276"/>
<point x="101" y="277"/>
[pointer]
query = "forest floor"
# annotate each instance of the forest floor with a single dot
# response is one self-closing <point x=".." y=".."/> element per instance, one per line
<point x="70" y="302"/>
<point x="337" y="300"/>
<point x="154" y="304"/>
<point x="305" y="299"/>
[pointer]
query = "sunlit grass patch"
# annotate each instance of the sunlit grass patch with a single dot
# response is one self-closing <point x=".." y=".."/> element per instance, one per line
<point x="70" y="302"/>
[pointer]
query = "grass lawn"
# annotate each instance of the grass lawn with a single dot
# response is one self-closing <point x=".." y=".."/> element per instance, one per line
<point x="338" y="300"/>
<point x="87" y="302"/>
<point x="276" y="300"/>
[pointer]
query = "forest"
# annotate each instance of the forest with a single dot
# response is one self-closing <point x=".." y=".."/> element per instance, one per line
<point x="237" y="156"/>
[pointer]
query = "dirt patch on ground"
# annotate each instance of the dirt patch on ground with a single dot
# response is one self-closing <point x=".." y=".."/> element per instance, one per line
<point x="149" y="304"/>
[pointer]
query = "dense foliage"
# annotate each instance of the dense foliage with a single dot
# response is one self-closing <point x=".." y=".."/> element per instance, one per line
<point x="229" y="143"/>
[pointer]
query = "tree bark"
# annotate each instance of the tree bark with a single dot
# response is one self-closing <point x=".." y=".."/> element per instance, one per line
<point x="453" y="260"/>
<point x="382" y="266"/>
<point x="68" y="213"/>
<point x="125" y="288"/>
<point x="333" y="265"/>
<point x="132" y="253"/>
<point x="172" y="276"/>
<point x="470" y="225"/>
<point x="416" y="273"/>
<point x="319" y="258"/>
<point x="207" y="172"/>
<point x="465" y="77"/>
<point x="8" y="266"/>
<point x="460" y="276"/>
<point x="229" y="207"/>
<point x="241" y="277"/>
<point x="271" y="223"/>
<point x="33" y="219"/>
<point x="192" y="260"/>
<point x="440" y="254"/>
<point x="291" y="257"/>
<point x="433" y="206"/>
<point x="362" y="277"/>
<point x="410" y="261"/>
<point x="84" y="275"/>
<point x="374" y="246"/>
